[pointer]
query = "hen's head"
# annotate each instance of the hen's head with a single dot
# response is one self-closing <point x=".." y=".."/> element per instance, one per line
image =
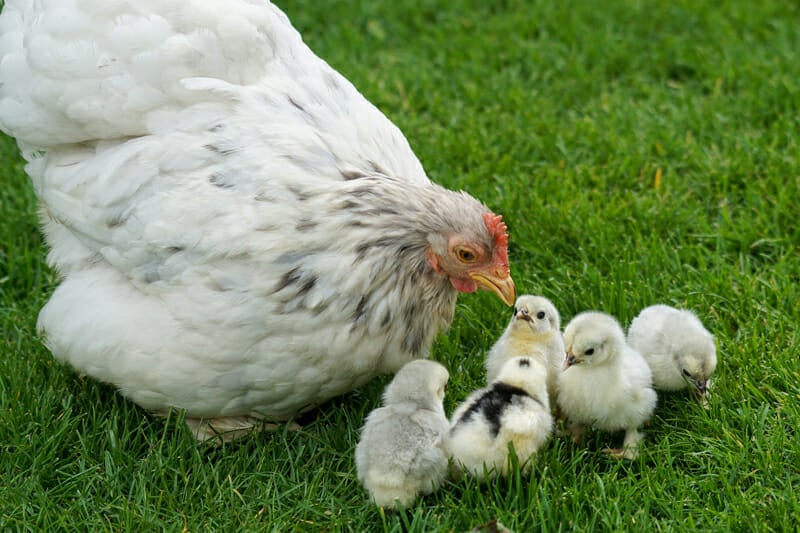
<point x="475" y="257"/>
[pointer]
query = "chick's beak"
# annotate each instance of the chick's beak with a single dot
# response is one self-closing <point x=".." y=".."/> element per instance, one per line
<point x="502" y="286"/>
<point x="570" y="360"/>
<point x="701" y="386"/>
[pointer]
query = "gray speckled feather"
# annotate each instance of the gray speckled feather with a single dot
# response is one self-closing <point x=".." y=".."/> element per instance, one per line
<point x="239" y="232"/>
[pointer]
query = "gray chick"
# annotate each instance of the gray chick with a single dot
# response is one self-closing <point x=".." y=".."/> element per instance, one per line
<point x="403" y="448"/>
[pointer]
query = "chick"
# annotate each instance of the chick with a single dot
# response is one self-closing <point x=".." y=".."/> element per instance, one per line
<point x="403" y="446"/>
<point x="513" y="409"/>
<point x="605" y="383"/>
<point x="534" y="331"/>
<point x="680" y="351"/>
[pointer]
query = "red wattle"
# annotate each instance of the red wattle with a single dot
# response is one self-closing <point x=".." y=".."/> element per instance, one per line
<point x="464" y="285"/>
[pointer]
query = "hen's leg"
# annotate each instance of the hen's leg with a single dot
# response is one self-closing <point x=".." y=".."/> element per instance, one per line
<point x="229" y="428"/>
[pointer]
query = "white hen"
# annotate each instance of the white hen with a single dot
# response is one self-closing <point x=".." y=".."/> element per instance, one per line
<point x="680" y="351"/>
<point x="534" y="331"/>
<point x="239" y="232"/>
<point x="605" y="383"/>
<point x="403" y="447"/>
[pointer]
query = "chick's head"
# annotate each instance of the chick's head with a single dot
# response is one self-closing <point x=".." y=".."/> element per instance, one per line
<point x="527" y="374"/>
<point x="696" y="358"/>
<point x="592" y="338"/>
<point x="420" y="382"/>
<point x="536" y="314"/>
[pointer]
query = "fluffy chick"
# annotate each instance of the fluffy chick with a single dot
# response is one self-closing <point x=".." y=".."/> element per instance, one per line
<point x="513" y="409"/>
<point x="534" y="331"/>
<point x="680" y="351"/>
<point x="403" y="446"/>
<point x="605" y="383"/>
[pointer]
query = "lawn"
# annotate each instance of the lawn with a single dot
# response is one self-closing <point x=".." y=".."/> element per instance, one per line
<point x="641" y="151"/>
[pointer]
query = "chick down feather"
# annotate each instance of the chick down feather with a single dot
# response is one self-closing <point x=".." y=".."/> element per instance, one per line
<point x="680" y="351"/>
<point x="534" y="331"/>
<point x="605" y="383"/>
<point x="513" y="411"/>
<point x="403" y="448"/>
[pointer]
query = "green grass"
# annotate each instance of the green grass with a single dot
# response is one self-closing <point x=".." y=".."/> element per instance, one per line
<point x="560" y="115"/>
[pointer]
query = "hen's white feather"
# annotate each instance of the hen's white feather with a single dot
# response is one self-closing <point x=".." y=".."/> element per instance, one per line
<point x="84" y="70"/>
<point x="196" y="166"/>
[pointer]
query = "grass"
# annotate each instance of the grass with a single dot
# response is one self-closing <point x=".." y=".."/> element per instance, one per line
<point x="643" y="151"/>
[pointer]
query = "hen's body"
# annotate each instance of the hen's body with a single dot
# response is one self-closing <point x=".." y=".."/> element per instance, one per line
<point x="240" y="233"/>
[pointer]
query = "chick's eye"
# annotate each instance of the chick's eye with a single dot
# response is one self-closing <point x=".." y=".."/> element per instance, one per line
<point x="590" y="351"/>
<point x="540" y="315"/>
<point x="466" y="255"/>
<point x="685" y="372"/>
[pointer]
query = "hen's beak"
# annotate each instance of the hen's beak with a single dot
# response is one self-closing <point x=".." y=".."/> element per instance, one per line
<point x="503" y="287"/>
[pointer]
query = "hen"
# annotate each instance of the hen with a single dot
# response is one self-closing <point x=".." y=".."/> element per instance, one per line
<point x="239" y="233"/>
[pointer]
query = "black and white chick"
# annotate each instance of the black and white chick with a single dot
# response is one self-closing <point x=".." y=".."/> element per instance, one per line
<point x="513" y="409"/>
<point x="679" y="349"/>
<point x="605" y="383"/>
<point x="403" y="448"/>
<point x="534" y="331"/>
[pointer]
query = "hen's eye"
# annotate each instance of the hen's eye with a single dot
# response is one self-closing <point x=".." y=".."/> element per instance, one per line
<point x="466" y="255"/>
<point x="590" y="351"/>
<point x="540" y="315"/>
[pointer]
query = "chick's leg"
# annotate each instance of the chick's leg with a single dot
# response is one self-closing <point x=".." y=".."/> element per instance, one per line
<point x="630" y="446"/>
<point x="577" y="431"/>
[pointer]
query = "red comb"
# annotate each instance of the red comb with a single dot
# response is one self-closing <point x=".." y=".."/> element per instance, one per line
<point x="497" y="230"/>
